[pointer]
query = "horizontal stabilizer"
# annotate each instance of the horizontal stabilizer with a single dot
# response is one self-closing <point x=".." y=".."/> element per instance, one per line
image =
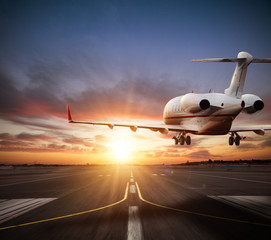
<point x="238" y="79"/>
<point x="255" y="60"/>
<point x="219" y="60"/>
<point x="261" y="60"/>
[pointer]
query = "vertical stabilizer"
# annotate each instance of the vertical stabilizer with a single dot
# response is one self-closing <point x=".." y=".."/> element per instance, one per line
<point x="239" y="75"/>
<point x="238" y="79"/>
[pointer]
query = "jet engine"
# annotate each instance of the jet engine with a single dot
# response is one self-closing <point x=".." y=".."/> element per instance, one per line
<point x="194" y="103"/>
<point x="252" y="103"/>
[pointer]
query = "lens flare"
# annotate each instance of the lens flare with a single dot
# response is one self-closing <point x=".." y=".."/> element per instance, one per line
<point x="122" y="151"/>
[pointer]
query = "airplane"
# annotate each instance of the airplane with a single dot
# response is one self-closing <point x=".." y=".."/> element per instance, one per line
<point x="207" y="113"/>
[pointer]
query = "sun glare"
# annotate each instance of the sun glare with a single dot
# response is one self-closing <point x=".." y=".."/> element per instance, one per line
<point x="122" y="151"/>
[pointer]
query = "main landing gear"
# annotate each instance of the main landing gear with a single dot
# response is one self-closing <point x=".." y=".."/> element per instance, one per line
<point x="182" y="139"/>
<point x="235" y="138"/>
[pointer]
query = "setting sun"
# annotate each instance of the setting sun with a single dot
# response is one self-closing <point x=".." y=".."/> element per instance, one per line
<point x="122" y="151"/>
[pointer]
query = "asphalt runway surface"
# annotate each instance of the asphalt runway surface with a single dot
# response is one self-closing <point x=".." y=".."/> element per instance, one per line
<point x="136" y="202"/>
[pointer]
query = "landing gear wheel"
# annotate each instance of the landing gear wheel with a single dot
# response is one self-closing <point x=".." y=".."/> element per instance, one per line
<point x="182" y="140"/>
<point x="188" y="140"/>
<point x="237" y="141"/>
<point x="176" y="140"/>
<point x="231" y="141"/>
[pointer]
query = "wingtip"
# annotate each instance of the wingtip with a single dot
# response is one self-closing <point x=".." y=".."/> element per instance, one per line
<point x="69" y="113"/>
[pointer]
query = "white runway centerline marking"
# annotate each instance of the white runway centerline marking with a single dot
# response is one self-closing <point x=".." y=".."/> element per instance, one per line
<point x="134" y="225"/>
<point x="162" y="174"/>
<point x="100" y="175"/>
<point x="260" y="205"/>
<point x="14" y="207"/>
<point x="132" y="189"/>
<point x="132" y="180"/>
<point x="154" y="174"/>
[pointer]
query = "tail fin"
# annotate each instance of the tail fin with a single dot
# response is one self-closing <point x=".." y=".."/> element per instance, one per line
<point x="238" y="79"/>
<point x="69" y="113"/>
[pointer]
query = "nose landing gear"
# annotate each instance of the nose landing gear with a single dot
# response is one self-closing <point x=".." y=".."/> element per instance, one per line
<point x="182" y="139"/>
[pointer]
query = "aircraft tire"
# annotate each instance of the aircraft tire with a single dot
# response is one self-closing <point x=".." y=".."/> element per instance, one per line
<point x="176" y="141"/>
<point x="237" y="141"/>
<point x="188" y="140"/>
<point x="231" y="140"/>
<point x="182" y="140"/>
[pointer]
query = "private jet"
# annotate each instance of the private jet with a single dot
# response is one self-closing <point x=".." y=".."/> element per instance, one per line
<point x="207" y="113"/>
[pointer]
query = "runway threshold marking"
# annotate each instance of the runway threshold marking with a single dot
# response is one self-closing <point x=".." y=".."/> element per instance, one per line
<point x="134" y="231"/>
<point x="15" y="207"/>
<point x="71" y="215"/>
<point x="38" y="180"/>
<point x="238" y="179"/>
<point x="260" y="205"/>
<point x="199" y="214"/>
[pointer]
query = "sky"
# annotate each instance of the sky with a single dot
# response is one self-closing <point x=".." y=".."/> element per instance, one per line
<point x="122" y="61"/>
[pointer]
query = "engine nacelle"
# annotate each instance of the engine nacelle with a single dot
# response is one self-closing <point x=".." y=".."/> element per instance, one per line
<point x="194" y="103"/>
<point x="252" y="103"/>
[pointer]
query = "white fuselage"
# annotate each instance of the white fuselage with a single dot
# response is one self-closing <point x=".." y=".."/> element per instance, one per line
<point x="214" y="120"/>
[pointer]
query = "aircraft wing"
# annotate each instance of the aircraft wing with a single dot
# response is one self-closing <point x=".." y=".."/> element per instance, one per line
<point x="162" y="128"/>
<point x="258" y="129"/>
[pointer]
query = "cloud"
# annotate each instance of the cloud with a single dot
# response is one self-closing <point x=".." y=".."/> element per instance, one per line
<point x="265" y="143"/>
<point x="178" y="153"/>
<point x="202" y="155"/>
<point x="51" y="142"/>
<point x="37" y="123"/>
<point x="78" y="141"/>
<point x="6" y="136"/>
<point x="33" y="137"/>
<point x="52" y="84"/>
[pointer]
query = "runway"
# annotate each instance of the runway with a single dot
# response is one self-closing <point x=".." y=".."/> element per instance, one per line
<point x="136" y="202"/>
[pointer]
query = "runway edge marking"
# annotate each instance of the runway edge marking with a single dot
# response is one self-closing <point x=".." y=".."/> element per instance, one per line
<point x="70" y="215"/>
<point x="199" y="214"/>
